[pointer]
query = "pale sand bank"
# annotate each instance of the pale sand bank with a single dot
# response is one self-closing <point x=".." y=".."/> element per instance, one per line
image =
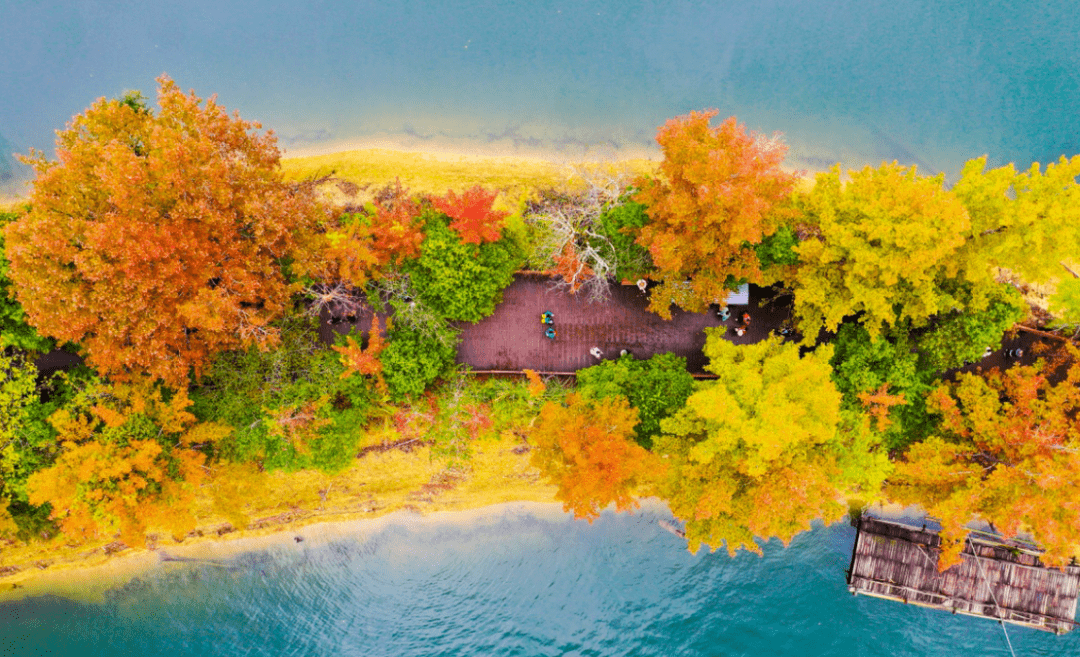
<point x="90" y="582"/>
<point x="455" y="149"/>
<point x="280" y="505"/>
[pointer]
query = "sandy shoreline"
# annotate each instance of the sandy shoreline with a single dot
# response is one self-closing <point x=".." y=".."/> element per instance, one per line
<point x="454" y="149"/>
<point x="89" y="582"/>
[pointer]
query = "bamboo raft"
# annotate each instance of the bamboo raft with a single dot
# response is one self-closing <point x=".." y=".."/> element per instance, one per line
<point x="998" y="579"/>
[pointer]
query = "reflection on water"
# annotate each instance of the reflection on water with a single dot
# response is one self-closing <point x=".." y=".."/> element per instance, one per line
<point x="513" y="582"/>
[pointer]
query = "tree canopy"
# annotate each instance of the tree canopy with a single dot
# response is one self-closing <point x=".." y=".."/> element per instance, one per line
<point x="585" y="448"/>
<point x="1028" y="222"/>
<point x="717" y="197"/>
<point x="14" y="329"/>
<point x="764" y="449"/>
<point x="882" y="244"/>
<point x="1008" y="453"/>
<point x="458" y="280"/>
<point x="129" y="460"/>
<point x="156" y="238"/>
<point x="657" y="388"/>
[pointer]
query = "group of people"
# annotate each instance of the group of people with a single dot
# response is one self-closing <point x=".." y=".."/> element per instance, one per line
<point x="744" y="322"/>
<point x="547" y="320"/>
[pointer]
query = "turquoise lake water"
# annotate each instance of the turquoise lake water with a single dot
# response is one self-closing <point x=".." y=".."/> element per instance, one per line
<point x="925" y="82"/>
<point x="518" y="581"/>
<point x="921" y="81"/>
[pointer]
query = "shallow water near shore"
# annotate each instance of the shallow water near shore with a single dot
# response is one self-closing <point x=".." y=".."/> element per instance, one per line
<point x="927" y="83"/>
<point x="510" y="580"/>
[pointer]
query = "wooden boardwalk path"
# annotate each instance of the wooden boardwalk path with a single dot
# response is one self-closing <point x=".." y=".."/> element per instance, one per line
<point x="513" y="338"/>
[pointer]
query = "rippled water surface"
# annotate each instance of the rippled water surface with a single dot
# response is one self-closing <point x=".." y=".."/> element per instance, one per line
<point x="513" y="582"/>
<point x="922" y="81"/>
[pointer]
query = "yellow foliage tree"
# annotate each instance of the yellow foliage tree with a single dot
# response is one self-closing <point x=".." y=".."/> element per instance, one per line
<point x="765" y="449"/>
<point x="128" y="462"/>
<point x="880" y="246"/>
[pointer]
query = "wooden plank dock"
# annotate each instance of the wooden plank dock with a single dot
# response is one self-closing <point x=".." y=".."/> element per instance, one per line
<point x="997" y="578"/>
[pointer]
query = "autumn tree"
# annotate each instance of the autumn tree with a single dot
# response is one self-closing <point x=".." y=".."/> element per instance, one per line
<point x="719" y="194"/>
<point x="883" y="243"/>
<point x="1008" y="453"/>
<point x="457" y="280"/>
<point x="657" y="388"/>
<point x="360" y="360"/>
<point x="1026" y="222"/>
<point x="157" y="238"/>
<point x="766" y="448"/>
<point x="471" y="214"/>
<point x="129" y="461"/>
<point x="585" y="447"/>
<point x="345" y="253"/>
<point x="14" y="329"/>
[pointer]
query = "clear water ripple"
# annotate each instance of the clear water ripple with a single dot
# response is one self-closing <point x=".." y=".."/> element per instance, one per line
<point x="510" y="584"/>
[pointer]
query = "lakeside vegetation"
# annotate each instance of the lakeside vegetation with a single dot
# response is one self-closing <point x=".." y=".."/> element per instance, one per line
<point x="166" y="246"/>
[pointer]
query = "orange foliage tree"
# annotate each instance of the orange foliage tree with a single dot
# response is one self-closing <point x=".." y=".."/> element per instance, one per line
<point x="717" y="197"/>
<point x="587" y="449"/>
<point x="128" y="462"/>
<point x="1009" y="454"/>
<point x="364" y="362"/>
<point x="157" y="239"/>
<point x="571" y="268"/>
<point x="473" y="218"/>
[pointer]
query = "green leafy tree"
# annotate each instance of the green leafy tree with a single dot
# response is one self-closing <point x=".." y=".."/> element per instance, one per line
<point x="18" y="456"/>
<point x="414" y="358"/>
<point x="14" y="329"/>
<point x="1065" y="303"/>
<point x="291" y="407"/>
<point x="863" y="366"/>
<point x="458" y="280"/>
<point x="778" y="248"/>
<point x="883" y="245"/>
<point x="960" y="337"/>
<point x="766" y="448"/>
<point x="621" y="224"/>
<point x="657" y="388"/>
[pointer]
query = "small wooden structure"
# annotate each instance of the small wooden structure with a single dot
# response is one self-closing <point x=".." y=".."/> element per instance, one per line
<point x="999" y="579"/>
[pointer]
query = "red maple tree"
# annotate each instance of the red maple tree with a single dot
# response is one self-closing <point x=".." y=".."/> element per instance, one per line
<point x="473" y="217"/>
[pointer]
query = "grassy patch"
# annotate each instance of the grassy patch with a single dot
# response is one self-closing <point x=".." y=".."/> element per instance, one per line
<point x="357" y="173"/>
